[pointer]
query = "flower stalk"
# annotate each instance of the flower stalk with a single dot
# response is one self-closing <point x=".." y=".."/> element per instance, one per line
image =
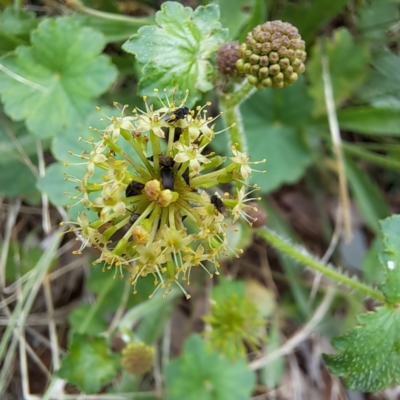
<point x="302" y="256"/>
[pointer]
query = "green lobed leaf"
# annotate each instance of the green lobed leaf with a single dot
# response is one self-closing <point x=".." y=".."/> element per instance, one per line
<point x="273" y="121"/>
<point x="381" y="87"/>
<point x="347" y="68"/>
<point x="370" y="120"/>
<point x="55" y="186"/>
<point x="203" y="374"/>
<point x="110" y="303"/>
<point x="16" y="142"/>
<point x="375" y="18"/>
<point x="76" y="318"/>
<point x="15" y="26"/>
<point x="390" y="258"/>
<point x="89" y="363"/>
<point x="176" y="51"/>
<point x="17" y="179"/>
<point x="369" y="355"/>
<point x="63" y="72"/>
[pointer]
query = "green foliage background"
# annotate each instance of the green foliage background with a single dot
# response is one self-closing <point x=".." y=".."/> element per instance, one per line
<point x="55" y="68"/>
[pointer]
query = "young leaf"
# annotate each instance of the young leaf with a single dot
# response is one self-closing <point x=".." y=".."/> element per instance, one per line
<point x="347" y="68"/>
<point x="57" y="77"/>
<point x="176" y="51"/>
<point x="202" y="374"/>
<point x="89" y="363"/>
<point x="369" y="355"/>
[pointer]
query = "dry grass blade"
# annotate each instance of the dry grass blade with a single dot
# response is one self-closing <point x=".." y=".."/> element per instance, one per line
<point x="22" y="308"/>
<point x="300" y="336"/>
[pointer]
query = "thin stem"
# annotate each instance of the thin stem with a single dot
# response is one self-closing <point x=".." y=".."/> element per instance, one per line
<point x="337" y="147"/>
<point x="234" y="99"/>
<point x="116" y="17"/>
<point x="94" y="308"/>
<point x="229" y="105"/>
<point x="301" y="255"/>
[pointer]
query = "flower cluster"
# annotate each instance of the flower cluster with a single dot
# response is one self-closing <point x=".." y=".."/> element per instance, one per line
<point x="234" y="321"/>
<point x="273" y="55"/>
<point x="227" y="56"/>
<point x="137" y="358"/>
<point x="154" y="213"/>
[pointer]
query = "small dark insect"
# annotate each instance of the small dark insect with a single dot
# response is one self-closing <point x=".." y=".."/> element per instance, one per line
<point x="185" y="176"/>
<point x="134" y="217"/>
<point x="167" y="175"/>
<point x="218" y="204"/>
<point x="179" y="113"/>
<point x="165" y="161"/>
<point x="134" y="189"/>
<point x="167" y="178"/>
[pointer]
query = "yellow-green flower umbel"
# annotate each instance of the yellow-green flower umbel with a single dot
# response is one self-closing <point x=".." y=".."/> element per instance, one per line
<point x="145" y="202"/>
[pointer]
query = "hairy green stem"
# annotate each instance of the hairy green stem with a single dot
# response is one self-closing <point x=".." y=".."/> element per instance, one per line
<point x="302" y="256"/>
<point x="229" y="105"/>
<point x="234" y="99"/>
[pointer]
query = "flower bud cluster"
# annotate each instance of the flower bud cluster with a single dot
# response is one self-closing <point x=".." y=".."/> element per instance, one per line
<point x="234" y="321"/>
<point x="227" y="56"/>
<point x="154" y="215"/>
<point x="273" y="55"/>
<point x="137" y="358"/>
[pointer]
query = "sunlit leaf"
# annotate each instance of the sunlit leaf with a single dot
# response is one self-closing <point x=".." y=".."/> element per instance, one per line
<point x="176" y="51"/>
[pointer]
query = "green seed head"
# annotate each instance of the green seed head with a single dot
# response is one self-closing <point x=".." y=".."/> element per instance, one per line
<point x="276" y="45"/>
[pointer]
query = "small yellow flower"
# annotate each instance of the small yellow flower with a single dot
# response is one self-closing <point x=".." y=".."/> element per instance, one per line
<point x="192" y="154"/>
<point x="118" y="123"/>
<point x="239" y="210"/>
<point x="243" y="161"/>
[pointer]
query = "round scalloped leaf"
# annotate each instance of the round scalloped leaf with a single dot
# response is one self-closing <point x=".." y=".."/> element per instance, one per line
<point x="176" y="51"/>
<point x="55" y="80"/>
<point x="89" y="363"/>
<point x="203" y="374"/>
